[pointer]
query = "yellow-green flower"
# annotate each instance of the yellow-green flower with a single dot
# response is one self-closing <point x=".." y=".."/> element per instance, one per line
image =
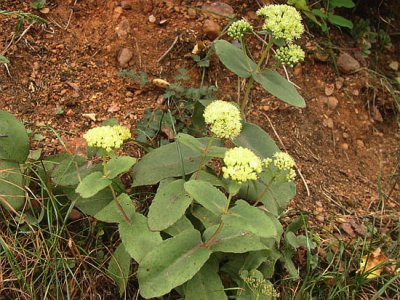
<point x="290" y="55"/>
<point x="241" y="165"/>
<point x="107" y="137"/>
<point x="284" y="162"/>
<point x="239" y="28"/>
<point x="224" y="119"/>
<point x="283" y="21"/>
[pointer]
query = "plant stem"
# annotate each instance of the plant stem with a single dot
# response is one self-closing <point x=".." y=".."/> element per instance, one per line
<point x="221" y="224"/>
<point x="203" y="157"/>
<point x="250" y="83"/>
<point x="267" y="186"/>
<point x="119" y="207"/>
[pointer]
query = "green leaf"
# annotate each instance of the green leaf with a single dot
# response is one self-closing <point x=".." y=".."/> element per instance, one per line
<point x="70" y="170"/>
<point x="92" y="205"/>
<point x="206" y="176"/>
<point x="205" y="285"/>
<point x="38" y="4"/>
<point x="246" y="217"/>
<point x="341" y="3"/>
<point x="111" y="213"/>
<point x="179" y="226"/>
<point x="166" y="162"/>
<point x="299" y="4"/>
<point x="169" y="205"/>
<point x="4" y="60"/>
<point x="137" y="237"/>
<point x="319" y="13"/>
<point x="207" y="195"/>
<point x="257" y="140"/>
<point x="119" y="165"/>
<point x="14" y="142"/>
<point x="215" y="151"/>
<point x="277" y="197"/>
<point x="279" y="87"/>
<point x="11" y="184"/>
<point x="290" y="266"/>
<point x="206" y="217"/>
<point x="171" y="263"/>
<point x="234" y="59"/>
<point x="233" y="240"/>
<point x="119" y="267"/>
<point x="340" y="21"/>
<point x="92" y="184"/>
<point x="190" y="141"/>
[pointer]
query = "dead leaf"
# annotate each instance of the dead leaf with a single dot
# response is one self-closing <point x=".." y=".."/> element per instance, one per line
<point x="90" y="116"/>
<point x="346" y="227"/>
<point x="370" y="262"/>
<point x="168" y="132"/>
<point x="114" y="107"/>
<point x="198" y="48"/>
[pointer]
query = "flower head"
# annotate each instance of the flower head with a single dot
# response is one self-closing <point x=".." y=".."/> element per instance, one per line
<point x="107" y="137"/>
<point x="241" y="165"/>
<point x="284" y="162"/>
<point x="289" y="55"/>
<point x="239" y="28"/>
<point x="283" y="21"/>
<point x="224" y="119"/>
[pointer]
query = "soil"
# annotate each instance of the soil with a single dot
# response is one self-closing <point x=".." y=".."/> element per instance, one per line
<point x="69" y="68"/>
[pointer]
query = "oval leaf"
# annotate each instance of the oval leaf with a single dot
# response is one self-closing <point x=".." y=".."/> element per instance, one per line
<point x="119" y="165"/>
<point x="279" y="87"/>
<point x="92" y="184"/>
<point x="11" y="184"/>
<point x="234" y="59"/>
<point x="14" y="141"/>
<point x="119" y="267"/>
<point x="171" y="264"/>
<point x="169" y="205"/>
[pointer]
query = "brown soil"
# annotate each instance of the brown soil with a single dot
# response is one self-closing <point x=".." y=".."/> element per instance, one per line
<point x="71" y="65"/>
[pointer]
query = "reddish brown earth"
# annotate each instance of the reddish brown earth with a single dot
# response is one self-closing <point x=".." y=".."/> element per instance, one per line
<point x="72" y="65"/>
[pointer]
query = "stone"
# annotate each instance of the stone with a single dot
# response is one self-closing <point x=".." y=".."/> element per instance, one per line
<point x="339" y="83"/>
<point x="332" y="102"/>
<point x="394" y="65"/>
<point x="126" y="4"/>
<point x="347" y="63"/>
<point x="124" y="57"/>
<point x="329" y="89"/>
<point x="344" y="146"/>
<point x="123" y="28"/>
<point x="218" y="9"/>
<point x="211" y="29"/>
<point x="328" y="123"/>
<point x="360" y="144"/>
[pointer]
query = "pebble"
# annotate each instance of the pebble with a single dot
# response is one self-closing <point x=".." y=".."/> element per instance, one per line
<point x="347" y="63"/>
<point x="332" y="102"/>
<point x="124" y="57"/>
<point x="360" y="144"/>
<point x="211" y="29"/>
<point x="344" y="146"/>
<point x="320" y="218"/>
<point x="329" y="89"/>
<point x="123" y="28"/>
<point x="118" y="12"/>
<point x="152" y="19"/>
<point x="339" y="83"/>
<point x="126" y="4"/>
<point x="218" y="9"/>
<point x="298" y="70"/>
<point x="328" y="123"/>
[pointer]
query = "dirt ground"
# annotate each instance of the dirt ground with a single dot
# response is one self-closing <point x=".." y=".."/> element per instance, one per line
<point x="342" y="149"/>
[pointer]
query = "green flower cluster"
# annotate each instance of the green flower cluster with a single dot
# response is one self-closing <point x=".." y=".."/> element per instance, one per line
<point x="283" y="21"/>
<point x="239" y="28"/>
<point x="224" y="119"/>
<point x="241" y="165"/>
<point x="107" y="137"/>
<point x="284" y="162"/>
<point x="289" y="55"/>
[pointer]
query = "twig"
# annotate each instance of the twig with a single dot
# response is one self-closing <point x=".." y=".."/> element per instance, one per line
<point x="283" y="146"/>
<point x="169" y="49"/>
<point x="138" y="52"/>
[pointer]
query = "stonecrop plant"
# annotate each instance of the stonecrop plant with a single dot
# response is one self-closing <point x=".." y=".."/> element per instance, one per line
<point x="212" y="229"/>
<point x="282" y="26"/>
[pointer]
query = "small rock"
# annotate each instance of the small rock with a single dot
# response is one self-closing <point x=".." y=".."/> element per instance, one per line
<point x="298" y="70"/>
<point x="339" y="83"/>
<point x="123" y="28"/>
<point x="211" y="28"/>
<point x="347" y="63"/>
<point x="45" y="10"/>
<point x="332" y="102"/>
<point x="320" y="218"/>
<point x="322" y="57"/>
<point x="355" y="92"/>
<point x="345" y="135"/>
<point x="126" y="4"/>
<point x="329" y="89"/>
<point x="265" y="108"/>
<point x="118" y="12"/>
<point x="124" y="57"/>
<point x="152" y="19"/>
<point x="360" y="144"/>
<point x="218" y="9"/>
<point x="328" y="123"/>
<point x="192" y="13"/>
<point x="376" y="114"/>
<point x="344" y="146"/>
